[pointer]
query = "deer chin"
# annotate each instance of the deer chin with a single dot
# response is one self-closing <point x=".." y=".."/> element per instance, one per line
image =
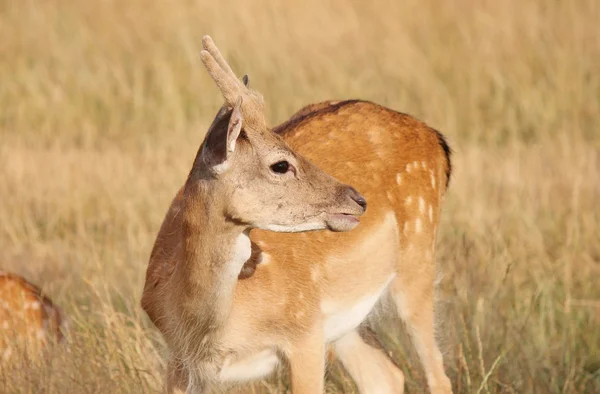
<point x="295" y="228"/>
<point x="340" y="222"/>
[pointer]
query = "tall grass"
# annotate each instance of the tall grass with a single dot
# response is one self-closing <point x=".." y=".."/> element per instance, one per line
<point x="103" y="104"/>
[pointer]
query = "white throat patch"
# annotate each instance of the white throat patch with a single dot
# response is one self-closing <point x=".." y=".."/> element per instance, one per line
<point x="240" y="253"/>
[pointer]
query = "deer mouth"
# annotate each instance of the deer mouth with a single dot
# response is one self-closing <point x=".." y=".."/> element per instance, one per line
<point x="340" y="222"/>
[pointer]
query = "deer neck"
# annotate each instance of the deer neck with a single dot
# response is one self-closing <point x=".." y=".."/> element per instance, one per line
<point x="214" y="250"/>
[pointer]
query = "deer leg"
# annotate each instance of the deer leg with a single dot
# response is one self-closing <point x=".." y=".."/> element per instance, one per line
<point x="177" y="379"/>
<point x="307" y="364"/>
<point x="370" y="368"/>
<point x="413" y="294"/>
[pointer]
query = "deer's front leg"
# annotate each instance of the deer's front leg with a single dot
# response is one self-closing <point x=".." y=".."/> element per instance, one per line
<point x="176" y="378"/>
<point x="307" y="364"/>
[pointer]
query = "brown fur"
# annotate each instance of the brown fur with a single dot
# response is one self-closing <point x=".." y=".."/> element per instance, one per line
<point x="28" y="318"/>
<point x="402" y="169"/>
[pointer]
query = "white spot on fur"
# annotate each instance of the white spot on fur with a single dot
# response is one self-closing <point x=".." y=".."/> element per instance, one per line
<point x="431" y="213"/>
<point x="35" y="305"/>
<point x="422" y="205"/>
<point x="375" y="137"/>
<point x="264" y="258"/>
<point x="5" y="325"/>
<point x="408" y="200"/>
<point x="390" y="196"/>
<point x="256" y="366"/>
<point x="392" y="215"/>
<point x="283" y="300"/>
<point x="399" y="178"/>
<point x="432" y="176"/>
<point x="415" y="164"/>
<point x="418" y="226"/>
<point x="340" y="322"/>
<point x="424" y="165"/>
<point x="408" y="167"/>
<point x="41" y="334"/>
<point x="315" y="273"/>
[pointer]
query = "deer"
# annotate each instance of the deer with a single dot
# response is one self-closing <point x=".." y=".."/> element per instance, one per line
<point x="268" y="257"/>
<point x="29" y="320"/>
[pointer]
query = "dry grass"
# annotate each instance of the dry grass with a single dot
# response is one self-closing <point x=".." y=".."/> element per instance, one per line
<point x="103" y="104"/>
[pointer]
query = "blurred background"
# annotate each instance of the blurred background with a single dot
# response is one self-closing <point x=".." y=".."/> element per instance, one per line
<point x="103" y="104"/>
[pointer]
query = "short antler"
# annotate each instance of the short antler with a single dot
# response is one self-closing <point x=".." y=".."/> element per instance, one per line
<point x="231" y="86"/>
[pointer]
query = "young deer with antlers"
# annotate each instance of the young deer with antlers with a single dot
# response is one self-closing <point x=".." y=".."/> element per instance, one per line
<point x="232" y="303"/>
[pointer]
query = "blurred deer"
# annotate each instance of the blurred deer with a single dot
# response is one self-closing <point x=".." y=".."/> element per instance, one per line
<point x="233" y="300"/>
<point x="29" y="320"/>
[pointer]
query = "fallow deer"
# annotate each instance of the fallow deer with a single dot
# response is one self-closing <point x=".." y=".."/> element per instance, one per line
<point x="231" y="308"/>
<point x="28" y="318"/>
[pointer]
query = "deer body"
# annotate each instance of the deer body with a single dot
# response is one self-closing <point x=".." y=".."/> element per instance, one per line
<point x="286" y="297"/>
<point x="28" y="319"/>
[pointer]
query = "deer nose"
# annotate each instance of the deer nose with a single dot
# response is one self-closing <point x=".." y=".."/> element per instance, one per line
<point x="358" y="198"/>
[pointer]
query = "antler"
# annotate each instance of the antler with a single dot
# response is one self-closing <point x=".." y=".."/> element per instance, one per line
<point x="230" y="85"/>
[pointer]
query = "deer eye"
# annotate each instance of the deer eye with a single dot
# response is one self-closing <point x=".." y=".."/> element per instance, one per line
<point x="281" y="167"/>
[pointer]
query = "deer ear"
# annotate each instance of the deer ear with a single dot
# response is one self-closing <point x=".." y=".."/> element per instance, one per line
<point x="222" y="136"/>
<point x="235" y="125"/>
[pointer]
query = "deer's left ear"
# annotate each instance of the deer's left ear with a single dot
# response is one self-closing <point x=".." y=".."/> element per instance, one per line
<point x="235" y="125"/>
<point x="222" y="136"/>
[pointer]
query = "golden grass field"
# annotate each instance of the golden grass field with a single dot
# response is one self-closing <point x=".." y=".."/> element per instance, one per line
<point x="103" y="104"/>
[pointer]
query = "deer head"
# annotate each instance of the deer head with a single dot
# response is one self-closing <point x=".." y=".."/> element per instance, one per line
<point x="256" y="178"/>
